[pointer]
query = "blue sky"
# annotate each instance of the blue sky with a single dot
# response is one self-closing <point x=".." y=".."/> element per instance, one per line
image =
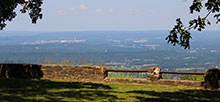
<point x="73" y="15"/>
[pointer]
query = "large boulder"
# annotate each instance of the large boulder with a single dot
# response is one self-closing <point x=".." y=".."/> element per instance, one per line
<point x="20" y="71"/>
<point x="154" y="74"/>
<point x="211" y="79"/>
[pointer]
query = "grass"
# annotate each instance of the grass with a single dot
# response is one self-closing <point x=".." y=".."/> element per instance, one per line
<point x="126" y="75"/>
<point x="21" y="90"/>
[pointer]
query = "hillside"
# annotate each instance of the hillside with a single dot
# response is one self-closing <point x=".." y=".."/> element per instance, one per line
<point x="126" y="49"/>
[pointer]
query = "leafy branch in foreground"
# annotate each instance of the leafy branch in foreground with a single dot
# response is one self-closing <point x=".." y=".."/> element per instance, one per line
<point x="180" y="34"/>
<point x="7" y="10"/>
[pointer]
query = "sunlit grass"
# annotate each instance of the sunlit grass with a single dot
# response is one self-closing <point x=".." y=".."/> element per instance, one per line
<point x="20" y="90"/>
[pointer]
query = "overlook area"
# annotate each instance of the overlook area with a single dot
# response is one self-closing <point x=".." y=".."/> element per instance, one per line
<point x="109" y="50"/>
<point x="138" y="50"/>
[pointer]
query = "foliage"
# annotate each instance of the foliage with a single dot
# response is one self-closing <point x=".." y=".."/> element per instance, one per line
<point x="66" y="61"/>
<point x="7" y="10"/>
<point x="193" y="77"/>
<point x="62" y="61"/>
<point x="127" y="74"/>
<point x="180" y="34"/>
<point x="20" y="90"/>
<point x="166" y="76"/>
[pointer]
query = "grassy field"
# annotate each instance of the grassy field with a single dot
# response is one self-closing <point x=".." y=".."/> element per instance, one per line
<point x="20" y="90"/>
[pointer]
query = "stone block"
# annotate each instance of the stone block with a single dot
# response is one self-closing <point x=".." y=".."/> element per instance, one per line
<point x="211" y="79"/>
<point x="153" y="73"/>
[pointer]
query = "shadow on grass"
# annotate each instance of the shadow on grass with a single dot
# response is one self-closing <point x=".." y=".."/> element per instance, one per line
<point x="21" y="90"/>
<point x="179" y="96"/>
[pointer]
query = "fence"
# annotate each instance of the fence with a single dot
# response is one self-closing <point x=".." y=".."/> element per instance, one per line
<point x="151" y="71"/>
<point x="154" y="74"/>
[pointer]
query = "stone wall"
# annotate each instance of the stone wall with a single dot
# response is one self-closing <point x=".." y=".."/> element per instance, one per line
<point x="28" y="71"/>
<point x="98" y="73"/>
<point x="80" y="72"/>
<point x="20" y="71"/>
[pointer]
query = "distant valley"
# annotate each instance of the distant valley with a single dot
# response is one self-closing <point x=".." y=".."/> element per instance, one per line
<point x="127" y="49"/>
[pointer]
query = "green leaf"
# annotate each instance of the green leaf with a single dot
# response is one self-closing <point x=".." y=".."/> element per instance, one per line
<point x="209" y="23"/>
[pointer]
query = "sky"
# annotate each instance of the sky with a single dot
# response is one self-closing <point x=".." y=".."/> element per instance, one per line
<point x="84" y="15"/>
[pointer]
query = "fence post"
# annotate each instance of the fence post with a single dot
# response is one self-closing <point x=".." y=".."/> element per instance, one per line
<point x="105" y="74"/>
<point x="154" y="74"/>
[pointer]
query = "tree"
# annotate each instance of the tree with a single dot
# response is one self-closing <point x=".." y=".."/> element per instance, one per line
<point x="180" y="34"/>
<point x="7" y="10"/>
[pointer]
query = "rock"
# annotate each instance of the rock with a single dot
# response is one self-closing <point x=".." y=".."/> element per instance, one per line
<point x="211" y="79"/>
<point x="26" y="71"/>
<point x="153" y="74"/>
